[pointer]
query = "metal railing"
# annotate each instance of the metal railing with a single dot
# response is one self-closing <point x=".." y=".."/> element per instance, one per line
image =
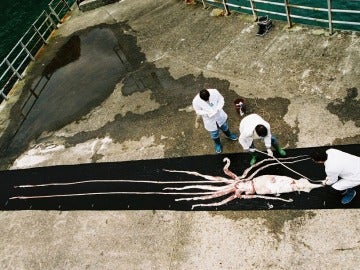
<point x="15" y="63"/>
<point x="323" y="11"/>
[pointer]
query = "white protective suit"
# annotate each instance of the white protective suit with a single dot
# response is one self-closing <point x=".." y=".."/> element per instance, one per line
<point x="342" y="169"/>
<point x="211" y="111"/>
<point x="248" y="133"/>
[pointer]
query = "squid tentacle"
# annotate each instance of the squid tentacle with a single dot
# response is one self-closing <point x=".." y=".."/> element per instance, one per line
<point x="246" y="172"/>
<point x="227" y="171"/>
<point x="203" y="187"/>
<point x="265" y="197"/>
<point x="229" y="199"/>
<point x="272" y="164"/>
<point x="208" y="197"/>
<point x="208" y="177"/>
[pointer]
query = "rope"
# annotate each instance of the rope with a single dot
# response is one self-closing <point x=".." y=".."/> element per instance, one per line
<point x="278" y="161"/>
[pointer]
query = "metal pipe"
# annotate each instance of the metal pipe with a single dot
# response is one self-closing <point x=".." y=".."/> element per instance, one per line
<point x="346" y="22"/>
<point x="227" y="11"/>
<point x="346" y="11"/>
<point x="204" y="4"/>
<point x="253" y="9"/>
<point x="6" y="70"/>
<point x="69" y="8"/>
<point x="37" y="31"/>
<point x="268" y="2"/>
<point x="17" y="63"/>
<point x="3" y="95"/>
<point x="27" y="51"/>
<point x="51" y="21"/>
<point x="330" y="17"/>
<point x="14" y="70"/>
<point x="287" y="10"/>
<point x="54" y="13"/>
<point x="252" y="4"/>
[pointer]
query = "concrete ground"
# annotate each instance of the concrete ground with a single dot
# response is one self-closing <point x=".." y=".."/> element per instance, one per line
<point x="116" y="83"/>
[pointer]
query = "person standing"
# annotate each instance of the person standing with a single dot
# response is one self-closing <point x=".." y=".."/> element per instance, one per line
<point x="208" y="104"/>
<point x="342" y="171"/>
<point x="254" y="127"/>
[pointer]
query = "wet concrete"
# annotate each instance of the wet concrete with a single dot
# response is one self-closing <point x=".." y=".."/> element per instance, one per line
<point x="69" y="52"/>
<point x="74" y="82"/>
<point x="136" y="104"/>
<point x="348" y="109"/>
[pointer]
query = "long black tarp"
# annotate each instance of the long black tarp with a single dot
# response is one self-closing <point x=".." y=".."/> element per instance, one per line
<point x="96" y="186"/>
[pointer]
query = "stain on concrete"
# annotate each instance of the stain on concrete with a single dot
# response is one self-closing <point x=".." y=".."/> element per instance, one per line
<point x="79" y="84"/>
<point x="176" y="94"/>
<point x="71" y="86"/>
<point x="347" y="140"/>
<point x="348" y="109"/>
<point x="273" y="220"/>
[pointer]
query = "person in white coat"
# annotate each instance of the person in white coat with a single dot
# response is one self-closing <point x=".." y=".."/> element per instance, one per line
<point x="342" y="171"/>
<point x="254" y="127"/>
<point x="208" y="104"/>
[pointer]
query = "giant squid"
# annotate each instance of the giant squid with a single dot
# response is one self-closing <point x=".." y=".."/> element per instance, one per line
<point x="246" y="186"/>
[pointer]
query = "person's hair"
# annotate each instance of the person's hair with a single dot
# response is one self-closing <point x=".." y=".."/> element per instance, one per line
<point x="261" y="130"/>
<point x="204" y="94"/>
<point x="319" y="155"/>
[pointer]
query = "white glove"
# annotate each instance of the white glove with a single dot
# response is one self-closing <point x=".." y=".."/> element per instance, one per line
<point x="270" y="153"/>
<point x="325" y="182"/>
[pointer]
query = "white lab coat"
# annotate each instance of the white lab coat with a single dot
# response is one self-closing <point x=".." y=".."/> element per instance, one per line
<point x="248" y="133"/>
<point x="211" y="111"/>
<point x="342" y="169"/>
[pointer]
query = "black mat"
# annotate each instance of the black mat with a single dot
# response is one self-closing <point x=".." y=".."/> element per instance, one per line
<point x="123" y="195"/>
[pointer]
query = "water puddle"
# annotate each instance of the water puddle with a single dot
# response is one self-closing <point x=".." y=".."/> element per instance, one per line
<point x="82" y="74"/>
<point x="68" y="53"/>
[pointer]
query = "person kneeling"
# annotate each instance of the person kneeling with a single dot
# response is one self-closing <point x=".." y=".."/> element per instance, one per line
<point x="342" y="171"/>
